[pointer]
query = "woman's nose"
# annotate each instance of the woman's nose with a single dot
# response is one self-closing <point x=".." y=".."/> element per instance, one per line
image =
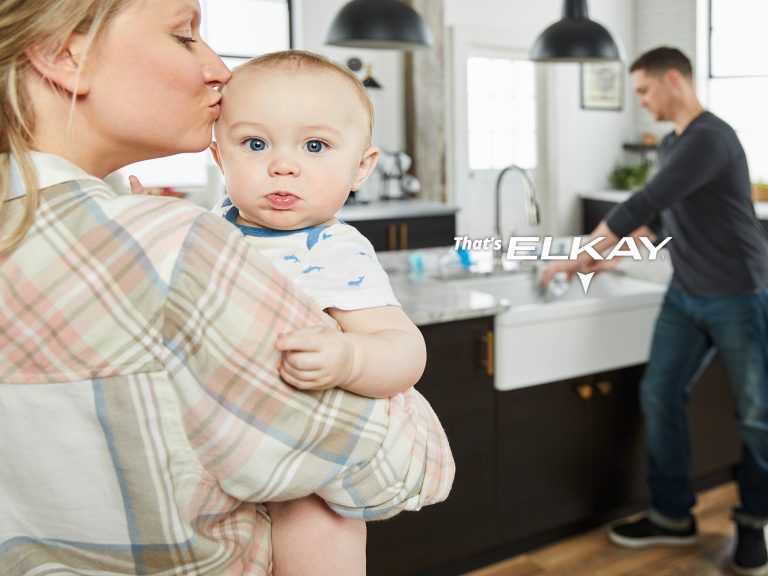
<point x="215" y="71"/>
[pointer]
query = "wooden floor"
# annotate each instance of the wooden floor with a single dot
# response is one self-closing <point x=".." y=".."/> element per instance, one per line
<point x="591" y="554"/>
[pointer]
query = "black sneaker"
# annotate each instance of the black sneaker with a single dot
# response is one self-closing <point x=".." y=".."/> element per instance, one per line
<point x="641" y="533"/>
<point x="750" y="558"/>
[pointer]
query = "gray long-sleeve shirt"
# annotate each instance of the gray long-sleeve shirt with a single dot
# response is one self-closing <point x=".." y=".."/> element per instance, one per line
<point x="702" y="193"/>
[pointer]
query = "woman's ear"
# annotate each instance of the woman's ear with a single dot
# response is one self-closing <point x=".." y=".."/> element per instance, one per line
<point x="63" y="65"/>
<point x="366" y="166"/>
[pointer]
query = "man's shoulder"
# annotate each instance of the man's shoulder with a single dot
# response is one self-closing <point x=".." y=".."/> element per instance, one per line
<point x="709" y="122"/>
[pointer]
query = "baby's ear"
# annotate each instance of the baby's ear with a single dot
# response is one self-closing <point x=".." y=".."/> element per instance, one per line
<point x="214" y="148"/>
<point x="63" y="65"/>
<point x="366" y="166"/>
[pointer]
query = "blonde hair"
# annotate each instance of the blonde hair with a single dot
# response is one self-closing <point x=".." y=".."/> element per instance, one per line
<point x="298" y="59"/>
<point x="23" y="24"/>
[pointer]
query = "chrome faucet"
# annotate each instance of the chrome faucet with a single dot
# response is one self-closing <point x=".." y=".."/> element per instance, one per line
<point x="531" y="204"/>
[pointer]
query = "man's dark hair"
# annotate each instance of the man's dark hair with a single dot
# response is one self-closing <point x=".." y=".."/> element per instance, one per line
<point x="659" y="60"/>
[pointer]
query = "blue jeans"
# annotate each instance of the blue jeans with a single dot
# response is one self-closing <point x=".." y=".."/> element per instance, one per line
<point x="688" y="333"/>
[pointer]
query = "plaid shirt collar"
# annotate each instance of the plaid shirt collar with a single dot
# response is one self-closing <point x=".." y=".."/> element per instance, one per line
<point x="51" y="170"/>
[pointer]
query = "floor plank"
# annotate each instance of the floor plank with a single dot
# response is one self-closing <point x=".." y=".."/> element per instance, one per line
<point x="591" y="554"/>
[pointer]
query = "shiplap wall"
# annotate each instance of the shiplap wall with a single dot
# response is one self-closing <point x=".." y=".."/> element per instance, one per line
<point x="662" y="23"/>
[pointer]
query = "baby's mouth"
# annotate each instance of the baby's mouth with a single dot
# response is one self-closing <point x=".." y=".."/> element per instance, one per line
<point x="282" y="200"/>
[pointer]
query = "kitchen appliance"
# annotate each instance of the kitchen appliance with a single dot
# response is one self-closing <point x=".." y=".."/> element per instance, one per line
<point x="394" y="180"/>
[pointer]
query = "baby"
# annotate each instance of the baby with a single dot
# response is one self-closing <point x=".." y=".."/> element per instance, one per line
<point x="293" y="139"/>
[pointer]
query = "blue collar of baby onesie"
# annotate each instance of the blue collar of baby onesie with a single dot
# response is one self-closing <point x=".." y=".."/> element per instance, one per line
<point x="313" y="232"/>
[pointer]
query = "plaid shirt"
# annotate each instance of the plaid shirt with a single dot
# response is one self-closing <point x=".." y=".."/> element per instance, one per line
<point x="142" y="419"/>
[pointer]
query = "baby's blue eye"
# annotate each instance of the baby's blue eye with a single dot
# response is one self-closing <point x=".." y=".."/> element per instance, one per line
<point x="256" y="144"/>
<point x="314" y="146"/>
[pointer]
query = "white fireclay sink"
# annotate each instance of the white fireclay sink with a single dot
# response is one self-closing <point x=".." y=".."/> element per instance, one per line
<point x="545" y="338"/>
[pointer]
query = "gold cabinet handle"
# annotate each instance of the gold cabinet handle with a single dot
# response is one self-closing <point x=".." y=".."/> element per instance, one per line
<point x="585" y="391"/>
<point x="605" y="387"/>
<point x="489" y="353"/>
<point x="392" y="237"/>
<point x="403" y="236"/>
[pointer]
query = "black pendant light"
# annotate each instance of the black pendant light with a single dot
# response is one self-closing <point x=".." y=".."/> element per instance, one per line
<point x="369" y="81"/>
<point x="379" y="24"/>
<point x="576" y="38"/>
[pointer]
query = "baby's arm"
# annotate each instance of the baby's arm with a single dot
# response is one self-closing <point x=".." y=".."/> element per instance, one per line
<point x="380" y="353"/>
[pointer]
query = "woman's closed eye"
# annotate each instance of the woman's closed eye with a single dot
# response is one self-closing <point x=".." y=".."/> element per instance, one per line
<point x="185" y="39"/>
<point x="255" y="144"/>
<point x="315" y="146"/>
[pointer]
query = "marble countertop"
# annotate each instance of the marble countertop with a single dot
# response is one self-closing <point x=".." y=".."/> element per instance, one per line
<point x="388" y="209"/>
<point x="427" y="300"/>
<point x="606" y="195"/>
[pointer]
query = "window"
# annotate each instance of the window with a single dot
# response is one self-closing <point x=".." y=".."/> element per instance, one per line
<point x="236" y="30"/>
<point x="738" y="75"/>
<point x="737" y="44"/>
<point x="501" y="113"/>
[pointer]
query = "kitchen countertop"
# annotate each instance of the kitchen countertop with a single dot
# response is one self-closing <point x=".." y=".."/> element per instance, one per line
<point x="388" y="209"/>
<point x="761" y="208"/>
<point x="427" y="300"/>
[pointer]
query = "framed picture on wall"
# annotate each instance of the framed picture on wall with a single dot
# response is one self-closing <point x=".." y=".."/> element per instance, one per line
<point x="602" y="85"/>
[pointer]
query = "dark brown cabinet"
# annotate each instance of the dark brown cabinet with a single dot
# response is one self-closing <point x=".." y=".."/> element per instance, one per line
<point x="535" y="464"/>
<point x="592" y="212"/>
<point x="572" y="453"/>
<point x="458" y="385"/>
<point x="408" y="233"/>
<point x="568" y="451"/>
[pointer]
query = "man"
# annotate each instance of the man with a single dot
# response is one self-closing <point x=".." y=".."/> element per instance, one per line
<point x="717" y="301"/>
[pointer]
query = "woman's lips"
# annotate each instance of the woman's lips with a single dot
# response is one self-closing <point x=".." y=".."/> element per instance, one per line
<point x="282" y="200"/>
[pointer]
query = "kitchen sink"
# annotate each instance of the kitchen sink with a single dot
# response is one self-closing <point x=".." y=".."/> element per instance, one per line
<point x="546" y="336"/>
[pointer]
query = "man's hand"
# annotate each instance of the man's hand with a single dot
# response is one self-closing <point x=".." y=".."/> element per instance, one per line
<point x="598" y="266"/>
<point x="316" y="358"/>
<point x="570" y="267"/>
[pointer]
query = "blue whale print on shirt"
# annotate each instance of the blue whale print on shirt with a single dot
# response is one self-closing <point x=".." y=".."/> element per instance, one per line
<point x="356" y="282"/>
<point x="292" y="258"/>
<point x="309" y="269"/>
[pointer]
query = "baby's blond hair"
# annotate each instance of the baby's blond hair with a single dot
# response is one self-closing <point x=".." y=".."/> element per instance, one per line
<point x="298" y="59"/>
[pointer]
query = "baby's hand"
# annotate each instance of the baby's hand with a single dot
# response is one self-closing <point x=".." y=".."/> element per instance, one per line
<point x="316" y="358"/>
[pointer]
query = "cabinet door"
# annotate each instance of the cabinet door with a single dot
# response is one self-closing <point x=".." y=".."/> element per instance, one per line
<point x="592" y="212"/>
<point x="568" y="451"/>
<point x="408" y="233"/>
<point x="429" y="232"/>
<point x="460" y="390"/>
<point x="574" y="451"/>
<point x="377" y="232"/>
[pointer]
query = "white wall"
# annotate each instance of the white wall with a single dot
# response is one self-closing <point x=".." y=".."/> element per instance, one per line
<point x="663" y="23"/>
<point x="312" y="20"/>
<point x="582" y="146"/>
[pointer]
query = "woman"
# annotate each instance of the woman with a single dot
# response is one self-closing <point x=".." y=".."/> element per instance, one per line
<point x="142" y="416"/>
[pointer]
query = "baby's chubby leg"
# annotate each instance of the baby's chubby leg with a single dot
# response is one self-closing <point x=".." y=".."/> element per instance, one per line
<point x="309" y="538"/>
